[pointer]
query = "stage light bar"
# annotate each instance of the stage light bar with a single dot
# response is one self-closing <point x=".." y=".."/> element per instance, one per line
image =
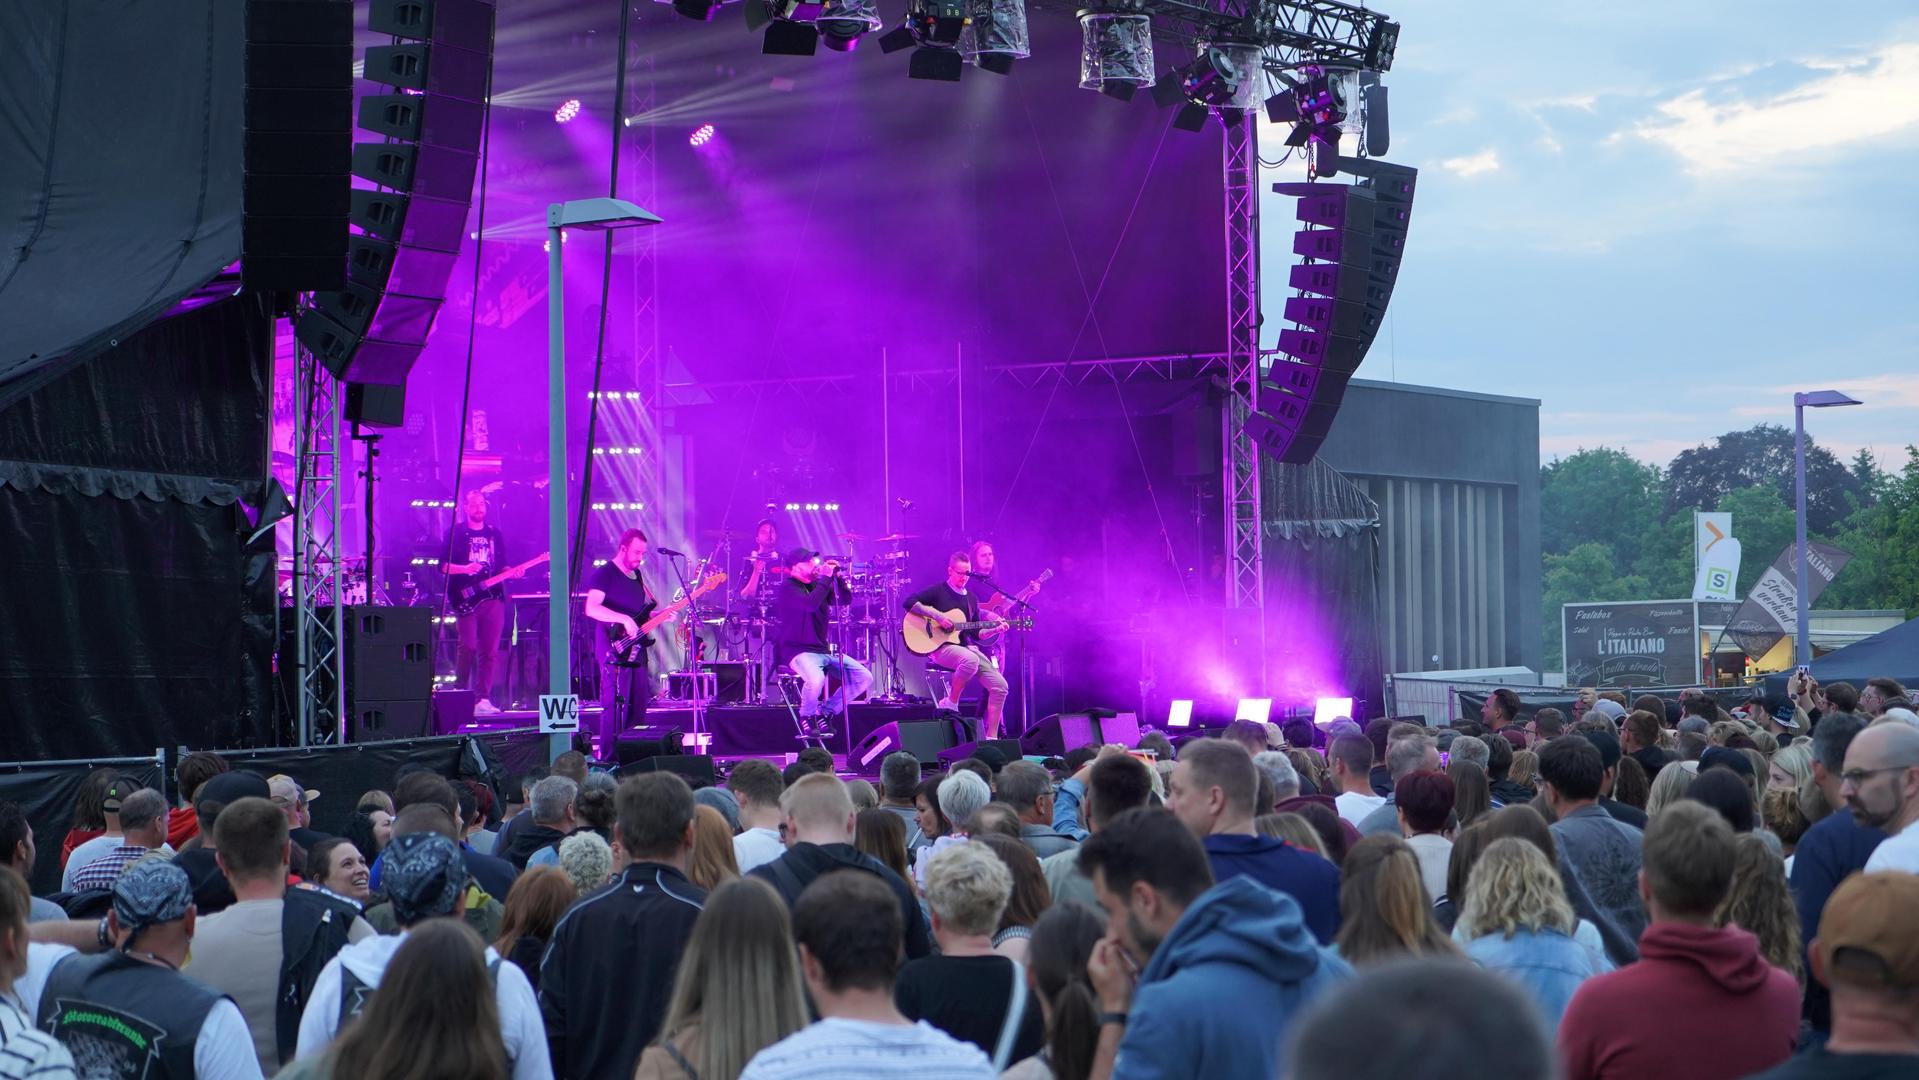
<point x="1180" y="714"/>
<point x="1328" y="709"/>
<point x="701" y="136"/>
<point x="568" y="109"/>
<point x="426" y="562"/>
<point x="1116" y="52"/>
<point x="433" y="504"/>
<point x="1256" y="709"/>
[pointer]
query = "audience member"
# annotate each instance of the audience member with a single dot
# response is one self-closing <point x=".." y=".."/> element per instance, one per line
<point x="1109" y="786"/>
<point x="718" y="798"/>
<point x="1865" y="955"/>
<point x="587" y="861"/>
<point x="1836" y="846"/>
<point x="882" y="835"/>
<point x="738" y="990"/>
<point x="1062" y="944"/>
<point x="89" y="819"/>
<point x="1600" y="852"/>
<point x="988" y="772"/>
<point x="757" y="785"/>
<point x="18" y="853"/>
<point x="597" y="808"/>
<point x="1620" y="1024"/>
<point x="1878" y="693"/>
<point x="963" y="793"/>
<point x="1428" y="1035"/>
<point x="494" y="875"/>
<point x="1472" y="792"/>
<point x="140" y="826"/>
<point x="1760" y="902"/>
<point x="994" y="818"/>
<point x="1028" y="901"/>
<point x="1630" y="791"/>
<point x="1524" y="770"/>
<point x="478" y="908"/>
<point x="476" y="810"/>
<point x="211" y="890"/>
<point x="370" y="831"/>
<point x="1467" y="747"/>
<point x="967" y="989"/>
<point x="1352" y="760"/>
<point x="899" y="788"/>
<point x="1403" y="757"/>
<point x="1384" y="910"/>
<point x="1425" y="802"/>
<point x="863" y="794"/>
<point x="130" y="1003"/>
<point x="712" y="863"/>
<point x="265" y="951"/>
<point x="641" y="925"/>
<point x="1727" y="794"/>
<point x="336" y="866"/>
<point x="1516" y="921"/>
<point x="1610" y="756"/>
<point x="1025" y="787"/>
<point x="293" y="797"/>
<point x="1547" y="724"/>
<point x="1212" y="794"/>
<point x="1499" y="763"/>
<point x="850" y="935"/>
<point x="554" y="818"/>
<point x="1670" y="787"/>
<point x="1881" y="788"/>
<point x="434" y="1017"/>
<point x="1293" y="829"/>
<point x="538" y="901"/>
<point x="926" y="810"/>
<point x="27" y="1053"/>
<point x="1781" y="816"/>
<point x="819" y="821"/>
<point x="193" y="770"/>
<point x="1639" y="738"/>
<point x="1336" y="835"/>
<point x="1193" y="945"/>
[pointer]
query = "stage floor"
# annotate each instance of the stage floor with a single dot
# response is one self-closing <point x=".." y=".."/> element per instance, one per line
<point x="732" y="732"/>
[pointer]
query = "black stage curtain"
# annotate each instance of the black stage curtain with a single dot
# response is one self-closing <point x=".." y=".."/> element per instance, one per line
<point x="1321" y="544"/>
<point x="133" y="615"/>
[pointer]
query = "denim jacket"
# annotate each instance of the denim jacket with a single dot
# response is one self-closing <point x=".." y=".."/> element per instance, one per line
<point x="1548" y="964"/>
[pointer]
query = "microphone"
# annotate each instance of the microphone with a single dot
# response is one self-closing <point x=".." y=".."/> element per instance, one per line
<point x="976" y="574"/>
<point x="670" y="552"/>
<point x="905" y="504"/>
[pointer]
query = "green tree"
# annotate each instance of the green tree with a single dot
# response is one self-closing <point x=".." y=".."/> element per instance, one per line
<point x="1584" y="574"/>
<point x="1762" y="456"/>
<point x="1599" y="494"/>
<point x="1883" y="538"/>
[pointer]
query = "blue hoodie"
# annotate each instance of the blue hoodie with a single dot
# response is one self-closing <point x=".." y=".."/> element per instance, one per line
<point x="1215" y="999"/>
<point x="1310" y="880"/>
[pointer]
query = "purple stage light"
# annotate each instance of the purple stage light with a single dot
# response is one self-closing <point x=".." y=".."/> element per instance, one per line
<point x="701" y="135"/>
<point x="567" y="111"/>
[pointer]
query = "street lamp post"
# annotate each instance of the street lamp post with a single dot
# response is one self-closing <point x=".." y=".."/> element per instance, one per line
<point x="1816" y="399"/>
<point x="598" y="214"/>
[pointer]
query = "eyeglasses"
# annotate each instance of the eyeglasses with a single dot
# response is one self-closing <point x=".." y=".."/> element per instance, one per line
<point x="1856" y="777"/>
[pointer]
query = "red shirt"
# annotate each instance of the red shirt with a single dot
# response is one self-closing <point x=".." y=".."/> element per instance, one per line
<point x="182" y="825"/>
<point x="1700" y="1003"/>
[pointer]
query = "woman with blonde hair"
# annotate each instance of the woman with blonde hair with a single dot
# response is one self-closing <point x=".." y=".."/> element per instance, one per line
<point x="1760" y="902"/>
<point x="1792" y="767"/>
<point x="713" y="862"/>
<point x="1517" y="921"/>
<point x="1525" y="769"/>
<point x="1293" y="829"/>
<point x="1669" y="786"/>
<point x="738" y="990"/>
<point x="1384" y="912"/>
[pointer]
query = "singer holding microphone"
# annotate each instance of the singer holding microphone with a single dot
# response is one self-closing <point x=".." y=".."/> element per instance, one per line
<point x="966" y="659"/>
<point x="800" y="606"/>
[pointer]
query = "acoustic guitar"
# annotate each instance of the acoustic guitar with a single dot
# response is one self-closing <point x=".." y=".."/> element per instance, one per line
<point x="924" y="637"/>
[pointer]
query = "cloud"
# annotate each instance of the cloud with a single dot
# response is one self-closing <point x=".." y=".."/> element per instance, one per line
<point x="1473" y="164"/>
<point x="1849" y="102"/>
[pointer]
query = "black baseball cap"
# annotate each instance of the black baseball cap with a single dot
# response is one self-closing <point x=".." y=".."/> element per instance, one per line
<point x="800" y="555"/>
<point x="230" y="787"/>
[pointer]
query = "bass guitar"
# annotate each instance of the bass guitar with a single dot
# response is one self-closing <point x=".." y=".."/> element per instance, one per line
<point x="467" y="597"/>
<point x="628" y="649"/>
<point x="923" y="636"/>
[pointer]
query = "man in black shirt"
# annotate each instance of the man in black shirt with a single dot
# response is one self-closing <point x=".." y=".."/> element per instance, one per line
<point x="964" y="657"/>
<point x="800" y="608"/>
<point x="617" y="596"/>
<point x="474" y="551"/>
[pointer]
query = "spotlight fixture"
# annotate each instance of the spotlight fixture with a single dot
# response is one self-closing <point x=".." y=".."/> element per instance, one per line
<point x="1116" y="52"/>
<point x="1225" y="76"/>
<point x="701" y="136"/>
<point x="568" y="109"/>
<point x="997" y="35"/>
<point x="843" y="22"/>
<point x="789" y="25"/>
<point x="932" y="30"/>
<point x="1320" y="102"/>
<point x="697" y="10"/>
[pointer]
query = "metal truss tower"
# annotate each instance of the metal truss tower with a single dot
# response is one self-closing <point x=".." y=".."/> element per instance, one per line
<point x="319" y="656"/>
<point x="1239" y="456"/>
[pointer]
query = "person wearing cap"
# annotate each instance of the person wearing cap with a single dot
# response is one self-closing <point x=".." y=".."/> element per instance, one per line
<point x="292" y="799"/>
<point x="211" y="890"/>
<point x="800" y="606"/>
<point x="143" y="828"/>
<point x="115" y="837"/>
<point x="1610" y="709"/>
<point x="1881" y="788"/>
<point x="425" y="879"/>
<point x="1609" y="755"/>
<point x="129" y="1006"/>
<point x="1867" y="955"/>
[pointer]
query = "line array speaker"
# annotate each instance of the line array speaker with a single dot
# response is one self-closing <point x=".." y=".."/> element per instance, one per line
<point x="298" y="107"/>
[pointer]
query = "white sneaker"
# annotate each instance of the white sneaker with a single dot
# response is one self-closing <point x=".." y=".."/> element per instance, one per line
<point x="483" y="707"/>
<point x="946" y="705"/>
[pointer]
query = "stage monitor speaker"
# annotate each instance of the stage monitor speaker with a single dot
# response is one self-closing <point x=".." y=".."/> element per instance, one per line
<point x="298" y="116"/>
<point x="375" y="405"/>
<point x="924" y="739"/>
<point x="696" y="769"/>
<point x="650" y="742"/>
<point x="389" y="653"/>
<point x="1060" y="732"/>
<point x="1009" y="748"/>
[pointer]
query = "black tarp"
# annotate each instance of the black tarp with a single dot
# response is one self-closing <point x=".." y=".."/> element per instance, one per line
<point x="46" y="794"/>
<point x="120" y="170"/>
<point x="1892" y="653"/>
<point x="132" y="612"/>
<point x="1321" y="545"/>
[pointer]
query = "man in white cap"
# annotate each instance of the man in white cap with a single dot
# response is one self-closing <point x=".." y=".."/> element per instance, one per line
<point x="292" y="798"/>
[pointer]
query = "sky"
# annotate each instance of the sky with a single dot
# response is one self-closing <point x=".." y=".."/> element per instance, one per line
<point x="1659" y="219"/>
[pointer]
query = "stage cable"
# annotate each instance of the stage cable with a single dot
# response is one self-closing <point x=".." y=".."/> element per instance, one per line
<point x="599" y="348"/>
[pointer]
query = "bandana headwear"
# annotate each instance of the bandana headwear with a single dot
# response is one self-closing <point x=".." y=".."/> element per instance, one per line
<point x="423" y="874"/>
<point x="148" y="894"/>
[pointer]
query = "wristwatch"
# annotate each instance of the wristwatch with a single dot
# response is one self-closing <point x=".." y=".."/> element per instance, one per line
<point x="1106" y="1018"/>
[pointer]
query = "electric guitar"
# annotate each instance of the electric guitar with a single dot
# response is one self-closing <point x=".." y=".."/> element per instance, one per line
<point x="629" y="648"/>
<point x="924" y="637"/>
<point x="1021" y="596"/>
<point x="467" y="597"/>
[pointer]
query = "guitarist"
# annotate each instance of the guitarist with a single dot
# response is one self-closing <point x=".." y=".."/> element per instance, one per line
<point x="967" y="659"/>
<point x="617" y="596"/>
<point x="474" y="550"/>
<point x="800" y="609"/>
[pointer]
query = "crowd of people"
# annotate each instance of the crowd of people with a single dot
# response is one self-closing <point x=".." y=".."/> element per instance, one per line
<point x="1639" y="888"/>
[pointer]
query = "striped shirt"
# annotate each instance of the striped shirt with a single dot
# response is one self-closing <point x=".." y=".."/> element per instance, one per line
<point x="834" y="1048"/>
<point x="27" y="1053"/>
<point x="102" y="872"/>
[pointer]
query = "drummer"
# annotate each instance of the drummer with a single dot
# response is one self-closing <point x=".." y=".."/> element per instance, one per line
<point x="764" y="559"/>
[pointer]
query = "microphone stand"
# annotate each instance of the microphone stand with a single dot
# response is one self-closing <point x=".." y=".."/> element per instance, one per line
<point x="1025" y="669"/>
<point x="692" y="668"/>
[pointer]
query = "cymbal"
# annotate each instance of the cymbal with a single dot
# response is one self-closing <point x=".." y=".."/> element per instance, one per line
<point x="852" y="536"/>
<point x="896" y="536"/>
